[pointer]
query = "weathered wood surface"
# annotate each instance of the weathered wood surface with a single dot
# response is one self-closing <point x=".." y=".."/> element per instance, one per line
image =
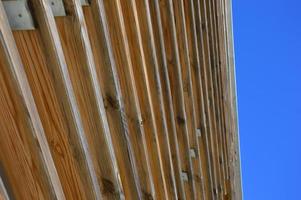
<point x="119" y="99"/>
<point x="79" y="58"/>
<point x="26" y="161"/>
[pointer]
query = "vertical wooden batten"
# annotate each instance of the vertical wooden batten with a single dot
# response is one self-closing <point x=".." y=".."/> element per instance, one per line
<point x="195" y="48"/>
<point x="160" y="56"/>
<point x="175" y="77"/>
<point x="141" y="78"/>
<point x="114" y="101"/>
<point x="188" y="92"/>
<point x="25" y="154"/>
<point x="46" y="69"/>
<point x="213" y="97"/>
<point x="208" y="96"/>
<point x="132" y="107"/>
<point x="152" y="76"/>
<point x="79" y="58"/>
<point x="118" y="99"/>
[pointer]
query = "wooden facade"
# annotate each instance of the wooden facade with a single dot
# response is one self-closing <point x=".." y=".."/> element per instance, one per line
<point x="118" y="99"/>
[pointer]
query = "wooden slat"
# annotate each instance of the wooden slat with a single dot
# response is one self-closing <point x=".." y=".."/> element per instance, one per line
<point x="111" y="89"/>
<point x="80" y="62"/>
<point x="218" y="97"/>
<point x="223" y="59"/>
<point x="25" y="156"/>
<point x="132" y="107"/>
<point x="154" y="85"/>
<point x="189" y="93"/>
<point x="192" y="18"/>
<point x="211" y="71"/>
<point x="46" y="69"/>
<point x="136" y="100"/>
<point x="233" y="142"/>
<point x="141" y="77"/>
<point x="175" y="76"/>
<point x="207" y="92"/>
<point x="166" y="89"/>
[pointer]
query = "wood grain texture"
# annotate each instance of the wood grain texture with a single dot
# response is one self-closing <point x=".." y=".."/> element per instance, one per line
<point x="120" y="99"/>
<point x="25" y="160"/>
<point x="176" y="84"/>
<point x="29" y="178"/>
<point x="141" y="77"/>
<point x="79" y="58"/>
<point x="154" y="86"/>
<point x="160" y="55"/>
<point x="46" y="70"/>
<point x="209" y="99"/>
<point x="194" y="48"/>
<point x="124" y="66"/>
<point x="189" y="102"/>
<point x="212" y="83"/>
<point x="112" y="95"/>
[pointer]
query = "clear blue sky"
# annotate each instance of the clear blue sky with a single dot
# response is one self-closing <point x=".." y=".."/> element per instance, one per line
<point x="267" y="36"/>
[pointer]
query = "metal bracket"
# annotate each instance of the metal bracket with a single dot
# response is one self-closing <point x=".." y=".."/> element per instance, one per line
<point x="85" y="2"/>
<point x="184" y="176"/>
<point x="18" y="15"/>
<point x="198" y="132"/>
<point x="57" y="7"/>
<point x="192" y="153"/>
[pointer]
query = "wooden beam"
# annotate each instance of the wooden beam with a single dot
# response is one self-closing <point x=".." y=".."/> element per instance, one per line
<point x="114" y="99"/>
<point x="46" y="69"/>
<point x="204" y="55"/>
<point x="194" y="46"/>
<point x="236" y="187"/>
<point x="80" y="62"/>
<point x="154" y="85"/>
<point x="24" y="148"/>
<point x="189" y="93"/>
<point x="214" y="64"/>
<point x="132" y="107"/>
<point x="161" y="58"/>
<point x="114" y="103"/>
<point x="175" y="76"/>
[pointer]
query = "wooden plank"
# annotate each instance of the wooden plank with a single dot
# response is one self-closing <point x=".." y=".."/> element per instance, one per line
<point x="189" y="93"/>
<point x="156" y="94"/>
<point x="212" y="101"/>
<point x="212" y="71"/>
<point x="46" y="69"/>
<point x="223" y="53"/>
<point x="234" y="159"/>
<point x="175" y="75"/>
<point x="204" y="55"/>
<point x="191" y="15"/>
<point x="29" y="166"/>
<point x="225" y="96"/>
<point x="218" y="76"/>
<point x="166" y="89"/>
<point x="136" y="100"/>
<point x="110" y="85"/>
<point x="80" y="62"/>
<point x="132" y="107"/>
<point x="141" y="77"/>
